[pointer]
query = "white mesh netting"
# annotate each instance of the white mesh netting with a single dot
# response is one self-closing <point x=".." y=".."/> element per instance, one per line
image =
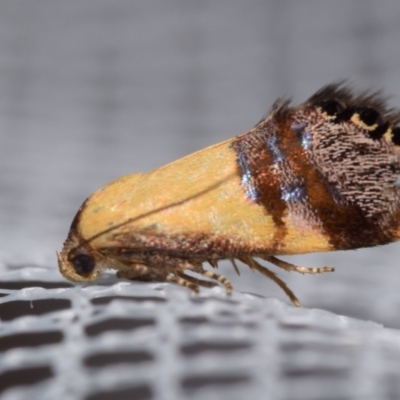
<point x="123" y="340"/>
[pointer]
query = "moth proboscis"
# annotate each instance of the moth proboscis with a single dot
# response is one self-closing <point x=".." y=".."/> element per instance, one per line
<point x="320" y="176"/>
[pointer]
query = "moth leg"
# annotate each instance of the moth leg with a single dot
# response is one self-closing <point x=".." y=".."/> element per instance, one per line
<point x="235" y="267"/>
<point x="141" y="272"/>
<point x="183" y="282"/>
<point x="196" y="281"/>
<point x="290" y="267"/>
<point x="253" y="264"/>
<point x="213" y="263"/>
<point x="217" y="277"/>
<point x="196" y="267"/>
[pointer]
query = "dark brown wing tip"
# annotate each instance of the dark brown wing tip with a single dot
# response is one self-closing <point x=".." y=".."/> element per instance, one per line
<point x="344" y="92"/>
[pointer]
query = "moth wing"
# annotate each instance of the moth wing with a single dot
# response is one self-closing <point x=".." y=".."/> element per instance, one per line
<point x="197" y="204"/>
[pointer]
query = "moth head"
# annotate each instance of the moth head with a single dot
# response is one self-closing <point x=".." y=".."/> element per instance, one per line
<point x="79" y="263"/>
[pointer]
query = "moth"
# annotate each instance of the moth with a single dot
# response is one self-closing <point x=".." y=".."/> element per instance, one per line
<point x="320" y="176"/>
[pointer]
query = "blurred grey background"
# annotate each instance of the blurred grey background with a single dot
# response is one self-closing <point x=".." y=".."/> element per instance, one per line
<point x="93" y="90"/>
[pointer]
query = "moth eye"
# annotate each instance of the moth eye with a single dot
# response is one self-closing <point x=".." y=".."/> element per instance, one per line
<point x="331" y="107"/>
<point x="83" y="264"/>
<point x="396" y="136"/>
<point x="370" y="116"/>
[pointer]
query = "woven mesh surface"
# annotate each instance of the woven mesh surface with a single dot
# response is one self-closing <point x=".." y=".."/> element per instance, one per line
<point x="122" y="340"/>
